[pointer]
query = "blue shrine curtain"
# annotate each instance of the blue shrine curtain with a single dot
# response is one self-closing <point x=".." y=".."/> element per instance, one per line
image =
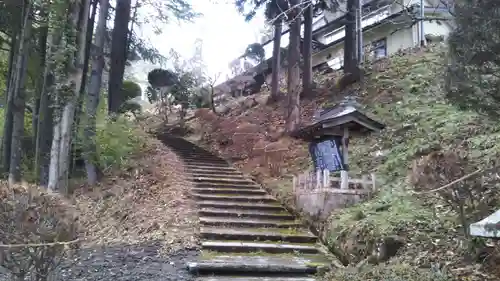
<point x="326" y="154"/>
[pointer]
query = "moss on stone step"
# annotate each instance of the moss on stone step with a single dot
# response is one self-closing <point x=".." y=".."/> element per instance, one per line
<point x="314" y="259"/>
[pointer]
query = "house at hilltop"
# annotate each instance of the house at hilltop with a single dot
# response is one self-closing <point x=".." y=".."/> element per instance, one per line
<point x="388" y="26"/>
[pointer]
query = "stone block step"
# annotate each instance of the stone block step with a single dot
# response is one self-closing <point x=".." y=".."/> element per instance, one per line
<point x="197" y="154"/>
<point x="227" y="185"/>
<point x="216" y="176"/>
<point x="261" y="234"/>
<point x="205" y="164"/>
<point x="207" y="167"/>
<point x="204" y="160"/>
<point x="254" y="265"/>
<point x="215" y="172"/>
<point x="260" y="278"/>
<point x="240" y="191"/>
<point x="201" y="155"/>
<point x="248" y="247"/>
<point x="235" y="198"/>
<point x="258" y="214"/>
<point x="273" y="206"/>
<point x="222" y="180"/>
<point x="248" y="222"/>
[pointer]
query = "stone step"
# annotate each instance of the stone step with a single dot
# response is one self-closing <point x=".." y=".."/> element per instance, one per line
<point x="190" y="151"/>
<point x="207" y="167"/>
<point x="227" y="185"/>
<point x="248" y="247"/>
<point x="262" y="234"/>
<point x="205" y="164"/>
<point x="215" y="172"/>
<point x="248" y="222"/>
<point x="273" y="206"/>
<point x="235" y="198"/>
<point x="195" y="154"/>
<point x="260" y="278"/>
<point x="257" y="214"/>
<point x="270" y="264"/>
<point x="204" y="160"/>
<point x="217" y="175"/>
<point x="222" y="180"/>
<point x="241" y="191"/>
<point x="201" y="155"/>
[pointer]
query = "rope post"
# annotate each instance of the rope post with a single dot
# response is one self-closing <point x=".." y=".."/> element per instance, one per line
<point x="344" y="177"/>
<point x="326" y="178"/>
<point x="294" y="184"/>
<point x="374" y="182"/>
<point x="318" y="179"/>
<point x="364" y="182"/>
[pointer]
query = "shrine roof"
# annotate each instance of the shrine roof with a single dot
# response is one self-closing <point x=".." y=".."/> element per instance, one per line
<point x="333" y="121"/>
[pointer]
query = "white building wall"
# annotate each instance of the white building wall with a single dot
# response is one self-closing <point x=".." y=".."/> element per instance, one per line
<point x="401" y="39"/>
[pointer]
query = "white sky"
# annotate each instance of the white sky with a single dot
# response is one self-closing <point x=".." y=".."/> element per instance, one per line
<point x="224" y="32"/>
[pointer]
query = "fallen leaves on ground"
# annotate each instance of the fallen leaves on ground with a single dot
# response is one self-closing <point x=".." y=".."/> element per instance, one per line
<point x="149" y="201"/>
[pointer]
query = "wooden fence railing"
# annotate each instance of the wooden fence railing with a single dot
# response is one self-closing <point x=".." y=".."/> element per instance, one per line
<point x="322" y="180"/>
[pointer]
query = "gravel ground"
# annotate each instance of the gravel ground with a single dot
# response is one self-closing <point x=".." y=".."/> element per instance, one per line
<point x="130" y="263"/>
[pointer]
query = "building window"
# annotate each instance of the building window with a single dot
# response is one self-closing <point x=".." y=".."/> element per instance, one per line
<point x="379" y="49"/>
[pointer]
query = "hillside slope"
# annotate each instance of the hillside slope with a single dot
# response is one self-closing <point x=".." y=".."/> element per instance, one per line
<point x="427" y="144"/>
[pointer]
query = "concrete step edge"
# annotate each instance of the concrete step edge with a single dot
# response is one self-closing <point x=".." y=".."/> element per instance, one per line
<point x="248" y="278"/>
<point x="240" y="205"/>
<point x="229" y="190"/>
<point x="249" y="234"/>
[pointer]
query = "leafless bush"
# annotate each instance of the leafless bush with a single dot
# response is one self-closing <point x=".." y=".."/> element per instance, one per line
<point x="452" y="176"/>
<point x="275" y="157"/>
<point x="37" y="232"/>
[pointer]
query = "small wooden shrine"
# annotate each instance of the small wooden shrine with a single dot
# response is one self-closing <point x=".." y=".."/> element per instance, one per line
<point x="336" y="125"/>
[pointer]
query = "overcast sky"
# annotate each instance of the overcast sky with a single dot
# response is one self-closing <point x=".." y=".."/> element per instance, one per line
<point x="224" y="32"/>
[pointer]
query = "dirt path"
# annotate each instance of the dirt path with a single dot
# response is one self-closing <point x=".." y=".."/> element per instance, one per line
<point x="142" y="262"/>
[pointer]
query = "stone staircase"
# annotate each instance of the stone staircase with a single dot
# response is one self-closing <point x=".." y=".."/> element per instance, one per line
<point x="246" y="234"/>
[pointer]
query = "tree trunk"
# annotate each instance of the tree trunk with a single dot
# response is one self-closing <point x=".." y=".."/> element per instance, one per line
<point x="18" y="125"/>
<point x="19" y="101"/>
<point x="78" y="111"/>
<point x="12" y="56"/>
<point x="211" y="99"/>
<point x="44" y="33"/>
<point x="7" y="127"/>
<point x="46" y="111"/>
<point x="293" y="86"/>
<point x="307" y="51"/>
<point x="88" y="47"/>
<point x="138" y="4"/>
<point x="276" y="67"/>
<point x="92" y="97"/>
<point x="61" y="144"/>
<point x="118" y="54"/>
<point x="350" y="38"/>
<point x="83" y="87"/>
